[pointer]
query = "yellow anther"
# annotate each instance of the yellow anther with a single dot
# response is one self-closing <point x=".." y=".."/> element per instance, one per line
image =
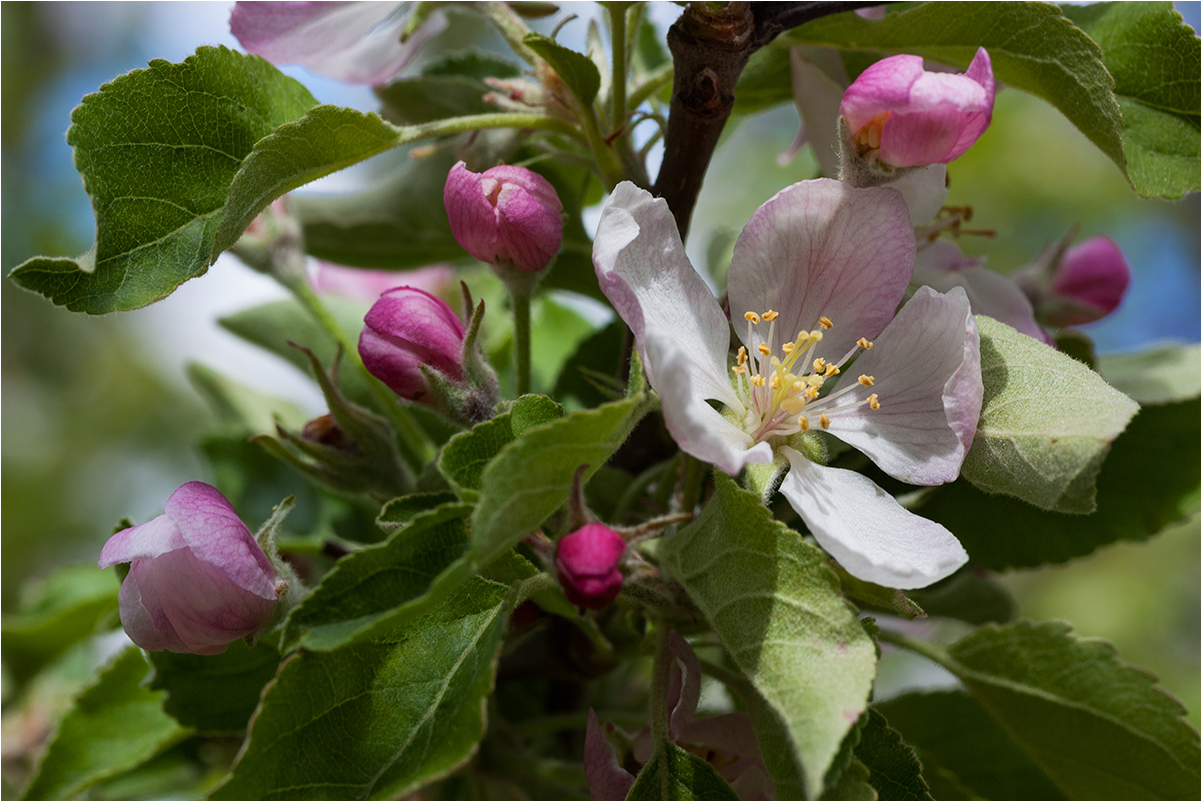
<point x="739" y="370"/>
<point x="815" y="381"/>
<point x="798" y="386"/>
<point x="804" y="423"/>
<point x="763" y="349"/>
<point x="811" y="392"/>
<point x="757" y="380"/>
<point x="816" y="335"/>
<point x="867" y="381"/>
<point x="819" y="365"/>
<point x="863" y="343"/>
<point x="825" y="322"/>
<point x="792" y="405"/>
<point x="742" y="355"/>
<point x="771" y="315"/>
<point x="831" y="370"/>
<point x="788" y="347"/>
<point x="873" y="402"/>
<point x="775" y="382"/>
<point x="752" y="317"/>
<point x="824" y="422"/>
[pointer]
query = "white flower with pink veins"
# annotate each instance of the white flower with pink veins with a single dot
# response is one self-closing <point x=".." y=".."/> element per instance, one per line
<point x="815" y="282"/>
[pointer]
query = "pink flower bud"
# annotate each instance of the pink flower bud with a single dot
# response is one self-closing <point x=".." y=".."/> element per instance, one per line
<point x="1090" y="282"/>
<point x="408" y="328"/>
<point x="197" y="579"/>
<point x="587" y="564"/>
<point x="505" y="215"/>
<point x="911" y="117"/>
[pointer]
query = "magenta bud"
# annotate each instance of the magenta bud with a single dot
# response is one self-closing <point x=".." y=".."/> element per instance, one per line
<point x="587" y="564"/>
<point x="406" y="329"/>
<point x="505" y="216"/>
<point x="197" y="579"/>
<point x="906" y="116"/>
<point x="1089" y="282"/>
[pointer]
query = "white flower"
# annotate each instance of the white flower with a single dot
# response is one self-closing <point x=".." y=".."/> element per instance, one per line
<point x="816" y="278"/>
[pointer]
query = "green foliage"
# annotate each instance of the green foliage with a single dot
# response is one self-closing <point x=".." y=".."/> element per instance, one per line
<point x="375" y="590"/>
<point x="1155" y="60"/>
<point x="114" y="725"/>
<point x="576" y="69"/>
<point x="1149" y="480"/>
<point x="531" y="477"/>
<point x="673" y="773"/>
<point x="1097" y="727"/>
<point x="158" y="149"/>
<point x="429" y="98"/>
<point x="214" y="694"/>
<point x="1159" y="375"/>
<point x="965" y="753"/>
<point x="777" y="608"/>
<point x="967" y="595"/>
<point x="893" y="768"/>
<point x="66" y="607"/>
<point x="1046" y="423"/>
<point x="377" y="719"/>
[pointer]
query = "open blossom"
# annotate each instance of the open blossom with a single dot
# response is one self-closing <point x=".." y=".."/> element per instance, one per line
<point x="505" y="215"/>
<point x="816" y="276"/>
<point x="197" y="579"/>
<point x="360" y="43"/>
<point x="908" y="117"/>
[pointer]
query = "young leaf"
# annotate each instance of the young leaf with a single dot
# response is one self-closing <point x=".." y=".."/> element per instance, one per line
<point x="531" y="477"/>
<point x="1032" y="47"/>
<point x="893" y="768"/>
<point x="1159" y="375"/>
<point x="421" y="100"/>
<point x="1149" y="480"/>
<point x="114" y="725"/>
<point x="214" y="694"/>
<point x="675" y="774"/>
<point x="377" y="719"/>
<point x="777" y="608"/>
<point x="381" y="586"/>
<point x="1156" y="60"/>
<point x="576" y="69"/>
<point x="158" y="149"/>
<point x="1046" y="423"/>
<point x="965" y="754"/>
<point x="467" y="454"/>
<point x="1097" y="727"/>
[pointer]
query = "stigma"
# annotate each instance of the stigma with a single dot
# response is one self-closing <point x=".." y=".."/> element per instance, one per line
<point x="783" y="394"/>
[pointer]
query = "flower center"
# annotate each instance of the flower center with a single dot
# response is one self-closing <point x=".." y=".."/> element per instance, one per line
<point x="869" y="136"/>
<point x="781" y="395"/>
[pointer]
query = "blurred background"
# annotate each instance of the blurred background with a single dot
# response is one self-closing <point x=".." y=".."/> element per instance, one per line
<point x="99" y="421"/>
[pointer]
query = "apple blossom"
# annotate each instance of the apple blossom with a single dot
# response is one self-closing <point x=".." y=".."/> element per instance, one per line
<point x="586" y="562"/>
<point x="408" y="329"/>
<point x="831" y="263"/>
<point x="506" y="215"/>
<point x="362" y="43"/>
<point x="197" y="579"/>
<point x="905" y="116"/>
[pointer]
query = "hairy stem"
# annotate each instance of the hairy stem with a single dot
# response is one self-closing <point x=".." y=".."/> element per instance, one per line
<point x="521" y="340"/>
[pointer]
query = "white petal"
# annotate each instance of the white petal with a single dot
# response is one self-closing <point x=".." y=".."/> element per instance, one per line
<point x="925" y="191"/>
<point x="822" y="248"/>
<point x="866" y="530"/>
<point x="642" y="268"/>
<point x="927" y="370"/>
<point x="819" y="80"/>
<point x="698" y="428"/>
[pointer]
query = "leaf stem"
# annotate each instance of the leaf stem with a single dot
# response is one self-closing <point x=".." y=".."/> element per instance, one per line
<point x="521" y="339"/>
<point x="651" y="84"/>
<point x="512" y="30"/>
<point x="660" y="675"/>
<point x="617" y="36"/>
<point x="931" y="651"/>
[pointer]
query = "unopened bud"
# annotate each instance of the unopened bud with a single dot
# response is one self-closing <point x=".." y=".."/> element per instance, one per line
<point x="587" y="564"/>
<point x="406" y="329"/>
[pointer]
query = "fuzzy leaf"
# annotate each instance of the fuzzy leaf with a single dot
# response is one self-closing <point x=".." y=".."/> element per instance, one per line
<point x="1046" y="423"/>
<point x="675" y="774"/>
<point x="214" y="694"/>
<point x="893" y="768"/>
<point x="576" y="69"/>
<point x="779" y="612"/>
<point x="1159" y="375"/>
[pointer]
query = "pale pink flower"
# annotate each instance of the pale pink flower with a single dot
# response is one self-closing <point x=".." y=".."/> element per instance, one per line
<point x="816" y="277"/>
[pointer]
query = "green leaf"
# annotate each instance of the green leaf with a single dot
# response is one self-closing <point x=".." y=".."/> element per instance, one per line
<point x="590" y="375"/>
<point x="158" y="149"/>
<point x="1032" y="47"/>
<point x="467" y="454"/>
<point x="378" y="719"/>
<point x="675" y="774"/>
<point x="114" y="725"/>
<point x="532" y="410"/>
<point x="428" y="98"/>
<point x="893" y="768"/>
<point x="61" y="610"/>
<point x="1046" y="423"/>
<point x="965" y="754"/>
<point x="576" y="69"/>
<point x="1149" y="481"/>
<point x="531" y="477"/>
<point x="967" y="595"/>
<point x="240" y="407"/>
<point x="381" y="587"/>
<point x="778" y="610"/>
<point x="472" y="63"/>
<point x="216" y="693"/>
<point x="765" y="82"/>
<point x="400" y="511"/>
<point x="1159" y="375"/>
<point x="1156" y="60"/>
<point x="1097" y="727"/>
